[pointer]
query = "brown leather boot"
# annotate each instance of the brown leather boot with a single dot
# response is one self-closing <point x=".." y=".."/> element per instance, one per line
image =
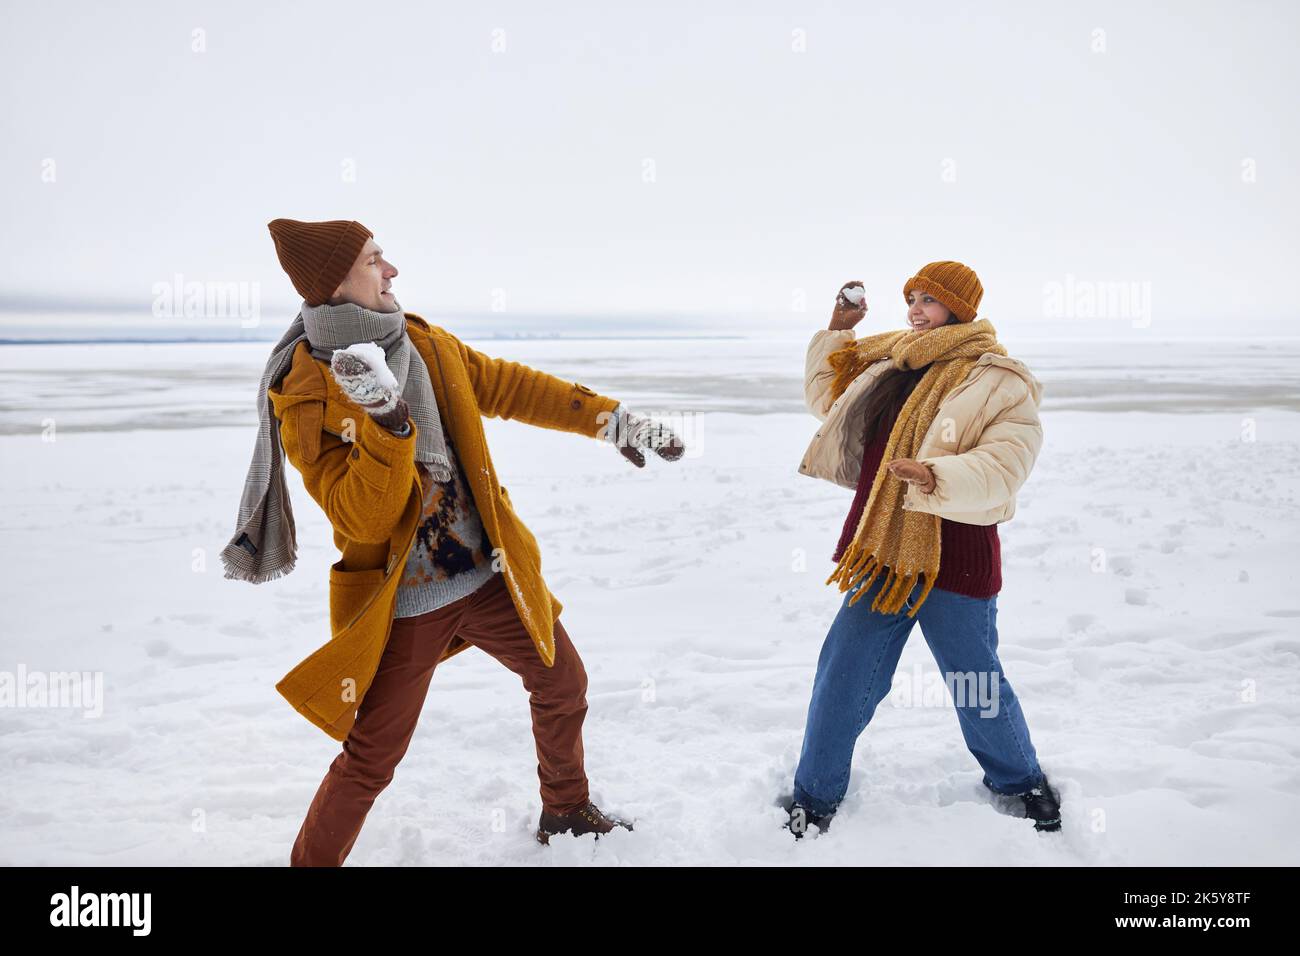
<point x="587" y="819"/>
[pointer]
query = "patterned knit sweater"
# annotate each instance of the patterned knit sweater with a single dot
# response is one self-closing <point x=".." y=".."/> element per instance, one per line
<point x="970" y="556"/>
<point x="451" y="556"/>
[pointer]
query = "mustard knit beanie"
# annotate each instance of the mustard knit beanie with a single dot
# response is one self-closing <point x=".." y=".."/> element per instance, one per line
<point x="953" y="284"/>
<point x="317" y="255"/>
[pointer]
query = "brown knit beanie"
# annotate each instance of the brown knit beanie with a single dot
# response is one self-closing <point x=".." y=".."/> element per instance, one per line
<point x="317" y="255"/>
<point x="951" y="283"/>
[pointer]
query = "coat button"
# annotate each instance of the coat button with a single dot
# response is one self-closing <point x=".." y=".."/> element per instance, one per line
<point x="356" y="453"/>
<point x="576" y="403"/>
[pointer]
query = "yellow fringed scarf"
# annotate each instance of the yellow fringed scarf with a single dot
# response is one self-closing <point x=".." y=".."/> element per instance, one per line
<point x="904" y="543"/>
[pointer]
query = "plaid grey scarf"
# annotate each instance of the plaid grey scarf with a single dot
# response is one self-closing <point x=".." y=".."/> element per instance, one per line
<point x="265" y="544"/>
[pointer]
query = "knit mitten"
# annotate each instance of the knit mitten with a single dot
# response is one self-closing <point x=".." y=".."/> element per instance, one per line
<point x="357" y="371"/>
<point x="630" y="432"/>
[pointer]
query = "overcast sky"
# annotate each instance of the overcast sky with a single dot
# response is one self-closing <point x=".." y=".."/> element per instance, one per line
<point x="653" y="158"/>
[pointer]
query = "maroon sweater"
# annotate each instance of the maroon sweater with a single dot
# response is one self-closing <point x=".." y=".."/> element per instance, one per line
<point x="970" y="555"/>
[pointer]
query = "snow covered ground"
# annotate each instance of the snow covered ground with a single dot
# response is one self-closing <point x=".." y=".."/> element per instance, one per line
<point x="1148" y="622"/>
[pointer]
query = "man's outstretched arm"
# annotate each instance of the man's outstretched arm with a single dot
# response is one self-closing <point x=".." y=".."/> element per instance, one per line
<point x="511" y="390"/>
<point x="506" y="389"/>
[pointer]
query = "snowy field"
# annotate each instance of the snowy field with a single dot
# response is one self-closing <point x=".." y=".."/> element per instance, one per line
<point x="1146" y="622"/>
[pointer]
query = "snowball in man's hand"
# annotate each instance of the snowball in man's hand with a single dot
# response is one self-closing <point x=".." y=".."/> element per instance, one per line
<point x="854" y="294"/>
<point x="373" y="356"/>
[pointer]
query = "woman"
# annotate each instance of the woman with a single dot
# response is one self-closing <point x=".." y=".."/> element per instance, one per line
<point x="935" y="429"/>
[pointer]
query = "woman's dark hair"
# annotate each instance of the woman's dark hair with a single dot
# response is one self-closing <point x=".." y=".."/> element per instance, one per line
<point x="889" y="392"/>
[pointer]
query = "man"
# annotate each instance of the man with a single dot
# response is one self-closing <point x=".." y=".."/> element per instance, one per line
<point x="381" y="413"/>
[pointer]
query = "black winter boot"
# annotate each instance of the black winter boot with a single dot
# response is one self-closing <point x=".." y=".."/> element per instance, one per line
<point x="800" y="817"/>
<point x="1042" y="804"/>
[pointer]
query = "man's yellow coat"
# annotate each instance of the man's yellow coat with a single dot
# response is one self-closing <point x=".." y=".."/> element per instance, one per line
<point x="364" y="478"/>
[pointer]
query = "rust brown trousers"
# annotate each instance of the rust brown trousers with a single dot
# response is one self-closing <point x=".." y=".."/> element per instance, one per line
<point x="391" y="708"/>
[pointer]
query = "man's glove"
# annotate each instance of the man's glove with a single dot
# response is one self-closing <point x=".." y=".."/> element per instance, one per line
<point x="630" y="432"/>
<point x="373" y="389"/>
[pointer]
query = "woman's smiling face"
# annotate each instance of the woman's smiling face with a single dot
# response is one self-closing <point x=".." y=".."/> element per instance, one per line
<point x="924" y="311"/>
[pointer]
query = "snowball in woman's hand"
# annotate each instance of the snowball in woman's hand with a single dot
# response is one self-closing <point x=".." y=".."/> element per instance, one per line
<point x="854" y="294"/>
<point x="373" y="356"/>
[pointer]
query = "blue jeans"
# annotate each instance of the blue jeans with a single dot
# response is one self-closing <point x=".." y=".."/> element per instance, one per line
<point x="854" y="673"/>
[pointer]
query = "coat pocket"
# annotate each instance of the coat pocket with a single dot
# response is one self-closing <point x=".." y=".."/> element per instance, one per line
<point x="350" y="592"/>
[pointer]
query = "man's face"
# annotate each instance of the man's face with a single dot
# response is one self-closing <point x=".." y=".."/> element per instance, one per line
<point x="369" y="282"/>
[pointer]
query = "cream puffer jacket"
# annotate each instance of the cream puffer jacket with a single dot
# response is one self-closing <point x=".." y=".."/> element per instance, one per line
<point x="981" y="446"/>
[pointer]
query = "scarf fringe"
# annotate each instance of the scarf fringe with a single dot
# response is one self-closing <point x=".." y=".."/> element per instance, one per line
<point x="857" y="566"/>
<point x="236" y="573"/>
